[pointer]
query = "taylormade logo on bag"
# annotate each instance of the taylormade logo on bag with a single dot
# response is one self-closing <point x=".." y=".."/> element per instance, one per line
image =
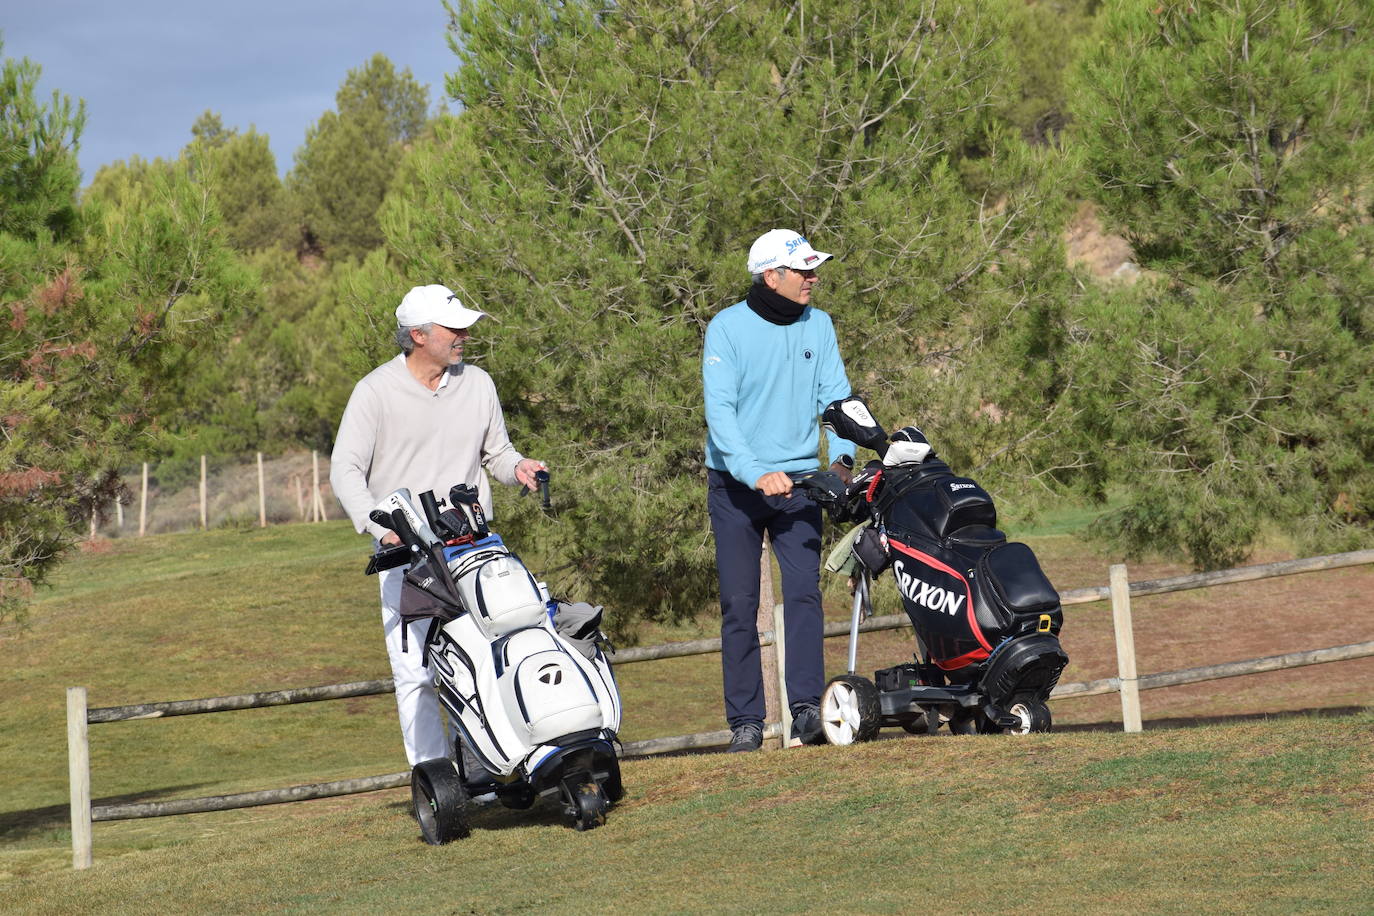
<point x="923" y="593"/>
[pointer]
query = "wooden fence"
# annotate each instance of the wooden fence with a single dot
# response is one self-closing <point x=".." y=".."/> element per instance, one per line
<point x="1127" y="682"/>
<point x="311" y="498"/>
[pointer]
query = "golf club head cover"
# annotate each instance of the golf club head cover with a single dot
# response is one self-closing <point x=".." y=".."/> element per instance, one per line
<point x="464" y="498"/>
<point x="909" y="446"/>
<point x="849" y="418"/>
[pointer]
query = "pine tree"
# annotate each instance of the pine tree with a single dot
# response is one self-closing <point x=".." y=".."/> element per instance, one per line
<point x="343" y="170"/>
<point x="1231" y="141"/>
<point x="105" y="307"/>
<point x="601" y="187"/>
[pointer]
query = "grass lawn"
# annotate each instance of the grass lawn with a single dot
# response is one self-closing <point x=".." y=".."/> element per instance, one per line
<point x="1261" y="812"/>
<point x="1261" y="817"/>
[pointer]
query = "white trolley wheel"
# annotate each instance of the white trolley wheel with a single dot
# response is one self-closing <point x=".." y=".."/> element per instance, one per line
<point x="1034" y="716"/>
<point x="849" y="710"/>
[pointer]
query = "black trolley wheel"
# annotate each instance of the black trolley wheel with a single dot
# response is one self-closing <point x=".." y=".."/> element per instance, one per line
<point x="589" y="806"/>
<point x="440" y="801"/>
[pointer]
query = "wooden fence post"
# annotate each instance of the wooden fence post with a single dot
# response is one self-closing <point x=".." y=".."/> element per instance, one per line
<point x="770" y="663"/>
<point x="1125" y="649"/>
<point x="262" y="496"/>
<point x="780" y="648"/>
<point x="143" y="503"/>
<point x="315" y="502"/>
<point x="204" y="517"/>
<point x="79" y="776"/>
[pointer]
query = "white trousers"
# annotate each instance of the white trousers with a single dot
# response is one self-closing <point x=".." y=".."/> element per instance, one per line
<point x="422" y="724"/>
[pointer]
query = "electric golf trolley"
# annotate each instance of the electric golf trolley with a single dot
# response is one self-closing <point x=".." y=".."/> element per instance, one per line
<point x="524" y="678"/>
<point x="986" y="618"/>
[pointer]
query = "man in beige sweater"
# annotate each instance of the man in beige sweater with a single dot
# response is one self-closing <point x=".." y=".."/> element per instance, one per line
<point x="425" y="421"/>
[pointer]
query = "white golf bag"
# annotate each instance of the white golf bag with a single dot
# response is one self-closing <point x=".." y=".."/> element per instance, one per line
<point x="524" y="678"/>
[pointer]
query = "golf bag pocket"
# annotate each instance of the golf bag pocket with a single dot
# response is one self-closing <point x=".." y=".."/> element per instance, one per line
<point x="498" y="591"/>
<point x="871" y="549"/>
<point x="579" y="624"/>
<point x="544" y="691"/>
<point x="1013" y="579"/>
<point x="941" y="506"/>
<point x="963" y="503"/>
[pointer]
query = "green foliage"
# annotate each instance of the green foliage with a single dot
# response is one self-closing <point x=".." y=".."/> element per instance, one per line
<point x="1044" y="37"/>
<point x="350" y="155"/>
<point x="293" y="354"/>
<point x="603" y="183"/>
<point x="256" y="209"/>
<point x="1231" y="142"/>
<point x="101" y="324"/>
<point x="38" y="170"/>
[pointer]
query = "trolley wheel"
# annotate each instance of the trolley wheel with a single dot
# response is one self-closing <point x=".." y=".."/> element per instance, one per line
<point x="919" y="725"/>
<point x="964" y="722"/>
<point x="440" y="801"/>
<point x="1034" y="716"/>
<point x="590" y="804"/>
<point x="849" y="710"/>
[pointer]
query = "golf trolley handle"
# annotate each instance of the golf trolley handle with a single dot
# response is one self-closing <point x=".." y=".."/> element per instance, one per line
<point x="541" y="483"/>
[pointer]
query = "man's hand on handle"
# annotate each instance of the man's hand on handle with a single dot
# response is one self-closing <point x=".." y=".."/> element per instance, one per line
<point x="524" y="472"/>
<point x="774" y="483"/>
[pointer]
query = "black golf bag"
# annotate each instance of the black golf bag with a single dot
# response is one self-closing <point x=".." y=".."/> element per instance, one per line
<point x="970" y="593"/>
<point x="986" y="618"/>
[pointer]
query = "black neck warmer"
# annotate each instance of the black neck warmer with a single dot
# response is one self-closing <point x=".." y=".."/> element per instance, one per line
<point x="772" y="306"/>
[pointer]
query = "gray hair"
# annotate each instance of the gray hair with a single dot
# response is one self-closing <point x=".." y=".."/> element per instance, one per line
<point x="758" y="277"/>
<point x="405" y="341"/>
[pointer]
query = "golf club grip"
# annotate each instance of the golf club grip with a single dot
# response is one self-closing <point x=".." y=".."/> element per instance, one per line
<point x="401" y="525"/>
<point x="381" y="518"/>
<point x="430" y="506"/>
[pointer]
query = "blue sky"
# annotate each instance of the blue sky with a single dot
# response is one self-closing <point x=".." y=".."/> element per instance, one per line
<point x="148" y="68"/>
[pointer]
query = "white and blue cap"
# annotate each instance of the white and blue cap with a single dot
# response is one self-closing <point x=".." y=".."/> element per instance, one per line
<point x="435" y="304"/>
<point x="783" y="248"/>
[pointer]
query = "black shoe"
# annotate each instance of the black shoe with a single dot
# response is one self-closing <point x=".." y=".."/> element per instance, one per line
<point x="806" y="725"/>
<point x="746" y="737"/>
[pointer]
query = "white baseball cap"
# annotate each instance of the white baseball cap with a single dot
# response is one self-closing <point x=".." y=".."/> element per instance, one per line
<point x="435" y="304"/>
<point x="783" y="248"/>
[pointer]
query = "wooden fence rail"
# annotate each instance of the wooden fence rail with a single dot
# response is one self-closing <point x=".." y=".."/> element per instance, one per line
<point x="79" y="716"/>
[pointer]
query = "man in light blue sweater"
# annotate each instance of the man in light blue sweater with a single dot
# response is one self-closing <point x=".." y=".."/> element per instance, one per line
<point x="770" y="366"/>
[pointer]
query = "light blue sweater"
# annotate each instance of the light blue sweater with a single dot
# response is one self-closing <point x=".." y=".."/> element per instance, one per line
<point x="765" y="386"/>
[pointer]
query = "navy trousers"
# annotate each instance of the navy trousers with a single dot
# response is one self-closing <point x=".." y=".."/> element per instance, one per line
<point x="739" y="517"/>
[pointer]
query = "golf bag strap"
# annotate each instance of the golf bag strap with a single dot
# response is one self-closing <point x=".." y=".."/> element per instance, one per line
<point x="434" y="626"/>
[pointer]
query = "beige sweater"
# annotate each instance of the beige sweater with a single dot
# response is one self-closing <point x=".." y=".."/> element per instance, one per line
<point x="395" y="433"/>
